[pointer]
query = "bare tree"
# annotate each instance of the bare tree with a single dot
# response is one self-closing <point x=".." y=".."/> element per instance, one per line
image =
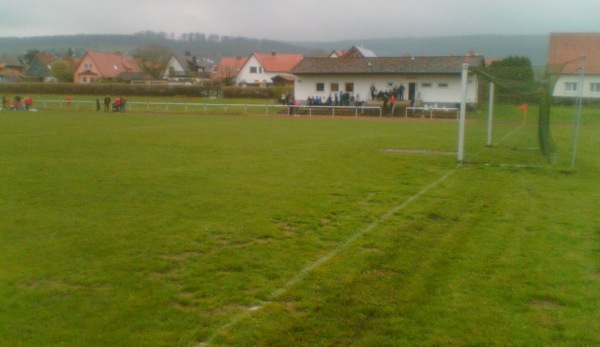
<point x="153" y="59"/>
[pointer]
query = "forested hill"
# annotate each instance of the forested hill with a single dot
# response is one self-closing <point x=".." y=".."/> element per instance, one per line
<point x="214" y="46"/>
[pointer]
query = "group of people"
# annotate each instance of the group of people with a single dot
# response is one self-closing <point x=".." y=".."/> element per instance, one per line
<point x="341" y="99"/>
<point x="389" y="97"/>
<point x="17" y="104"/>
<point x="118" y="105"/>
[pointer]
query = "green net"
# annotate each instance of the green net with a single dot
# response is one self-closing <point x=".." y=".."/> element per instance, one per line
<point x="522" y="85"/>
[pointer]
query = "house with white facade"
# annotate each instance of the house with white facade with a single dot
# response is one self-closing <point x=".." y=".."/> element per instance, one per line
<point x="185" y="67"/>
<point x="566" y="54"/>
<point x="426" y="80"/>
<point x="260" y="69"/>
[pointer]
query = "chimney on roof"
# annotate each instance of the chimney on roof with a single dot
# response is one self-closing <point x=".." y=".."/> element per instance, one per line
<point x="273" y="53"/>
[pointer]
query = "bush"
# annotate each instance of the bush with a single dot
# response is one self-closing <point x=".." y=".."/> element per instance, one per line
<point x="125" y="89"/>
<point x="255" y="92"/>
<point x="101" y="89"/>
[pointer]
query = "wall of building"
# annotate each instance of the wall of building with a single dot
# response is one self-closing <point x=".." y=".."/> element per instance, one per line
<point x="591" y="86"/>
<point x="430" y="89"/>
<point x="245" y="76"/>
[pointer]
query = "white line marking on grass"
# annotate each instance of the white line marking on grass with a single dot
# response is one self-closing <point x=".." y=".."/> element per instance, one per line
<point x="510" y="134"/>
<point x="300" y="275"/>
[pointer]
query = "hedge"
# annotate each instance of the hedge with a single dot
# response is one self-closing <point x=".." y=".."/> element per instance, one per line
<point x="125" y="89"/>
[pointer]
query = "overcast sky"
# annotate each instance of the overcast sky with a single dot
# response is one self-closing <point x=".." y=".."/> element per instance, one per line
<point x="299" y="20"/>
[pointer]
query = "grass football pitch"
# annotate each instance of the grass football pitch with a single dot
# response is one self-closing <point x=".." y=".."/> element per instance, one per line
<point x="181" y="230"/>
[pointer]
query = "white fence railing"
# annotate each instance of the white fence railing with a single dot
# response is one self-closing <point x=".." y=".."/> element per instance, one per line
<point x="212" y="108"/>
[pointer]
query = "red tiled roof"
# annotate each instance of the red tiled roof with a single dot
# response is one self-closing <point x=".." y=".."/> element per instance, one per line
<point x="275" y="62"/>
<point x="46" y="58"/>
<point x="337" y="53"/>
<point x="10" y="73"/>
<point x="566" y="49"/>
<point x="229" y="67"/>
<point x="112" y="65"/>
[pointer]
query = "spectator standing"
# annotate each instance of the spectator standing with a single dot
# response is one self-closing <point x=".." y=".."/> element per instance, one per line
<point x="106" y="103"/>
<point x="28" y="102"/>
<point x="117" y="104"/>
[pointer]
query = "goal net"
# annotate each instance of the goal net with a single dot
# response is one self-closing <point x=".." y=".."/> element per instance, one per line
<point x="519" y="120"/>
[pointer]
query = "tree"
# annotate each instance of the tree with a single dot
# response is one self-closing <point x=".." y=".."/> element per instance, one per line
<point x="154" y="59"/>
<point x="27" y="58"/>
<point x="61" y="70"/>
<point x="514" y="77"/>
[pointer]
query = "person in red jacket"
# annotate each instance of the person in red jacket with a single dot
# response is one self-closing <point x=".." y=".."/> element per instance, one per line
<point x="117" y="104"/>
<point x="28" y="102"/>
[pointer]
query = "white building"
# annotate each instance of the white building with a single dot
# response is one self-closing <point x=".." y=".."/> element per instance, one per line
<point x="260" y="68"/>
<point x="565" y="54"/>
<point x="426" y="80"/>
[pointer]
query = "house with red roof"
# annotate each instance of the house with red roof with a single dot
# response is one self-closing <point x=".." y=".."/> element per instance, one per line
<point x="336" y="53"/>
<point x="98" y="66"/>
<point x="40" y="66"/>
<point x="260" y="69"/>
<point x="567" y="54"/>
<point x="228" y="69"/>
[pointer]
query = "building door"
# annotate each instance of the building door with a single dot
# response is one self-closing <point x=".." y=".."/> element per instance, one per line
<point x="412" y="89"/>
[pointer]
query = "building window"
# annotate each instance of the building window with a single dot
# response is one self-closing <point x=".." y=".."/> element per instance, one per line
<point x="253" y="69"/>
<point x="320" y="87"/>
<point x="335" y="87"/>
<point x="443" y="85"/>
<point x="570" y="87"/>
<point x="426" y="85"/>
<point x="84" y="79"/>
<point x="595" y="87"/>
<point x="260" y="70"/>
<point x="350" y="87"/>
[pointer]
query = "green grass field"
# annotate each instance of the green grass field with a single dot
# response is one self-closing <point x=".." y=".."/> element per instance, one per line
<point x="180" y="230"/>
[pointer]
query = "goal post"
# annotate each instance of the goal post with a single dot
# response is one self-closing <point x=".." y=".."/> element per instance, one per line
<point x="463" y="114"/>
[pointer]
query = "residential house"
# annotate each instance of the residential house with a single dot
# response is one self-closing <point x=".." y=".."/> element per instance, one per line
<point x="260" y="68"/>
<point x="353" y="52"/>
<point x="228" y="69"/>
<point x="358" y="52"/>
<point x="98" y="66"/>
<point x="567" y="54"/>
<point x="427" y="80"/>
<point x="10" y="75"/>
<point x="185" y="67"/>
<point x="336" y="53"/>
<point x="283" y="80"/>
<point x="12" y="63"/>
<point x="11" y="69"/>
<point x="40" y="66"/>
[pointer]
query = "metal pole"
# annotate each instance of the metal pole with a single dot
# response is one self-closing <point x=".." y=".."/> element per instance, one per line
<point x="578" y="110"/>
<point x="463" y="112"/>
<point x="490" y="114"/>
